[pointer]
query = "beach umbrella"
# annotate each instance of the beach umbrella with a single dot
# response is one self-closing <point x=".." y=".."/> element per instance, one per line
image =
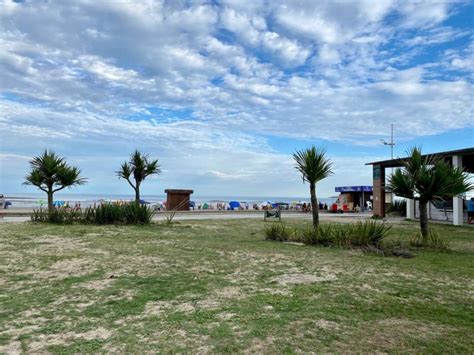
<point x="234" y="204"/>
<point x="143" y="202"/>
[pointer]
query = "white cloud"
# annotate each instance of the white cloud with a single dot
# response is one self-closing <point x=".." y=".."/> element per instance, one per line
<point x="423" y="13"/>
<point x="328" y="55"/>
<point x="200" y="85"/>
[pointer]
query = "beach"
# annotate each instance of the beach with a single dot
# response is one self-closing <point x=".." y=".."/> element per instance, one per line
<point x="22" y="203"/>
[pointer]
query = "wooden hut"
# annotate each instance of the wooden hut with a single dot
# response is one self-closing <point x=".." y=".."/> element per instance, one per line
<point x="178" y="200"/>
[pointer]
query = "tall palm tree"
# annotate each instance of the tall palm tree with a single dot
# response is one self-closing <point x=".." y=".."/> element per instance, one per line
<point x="426" y="179"/>
<point x="139" y="166"/>
<point x="50" y="173"/>
<point x="313" y="166"/>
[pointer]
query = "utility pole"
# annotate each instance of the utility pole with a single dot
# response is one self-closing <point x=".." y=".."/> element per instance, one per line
<point x="392" y="145"/>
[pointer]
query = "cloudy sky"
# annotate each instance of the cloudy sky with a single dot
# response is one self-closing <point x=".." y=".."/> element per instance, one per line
<point x="222" y="92"/>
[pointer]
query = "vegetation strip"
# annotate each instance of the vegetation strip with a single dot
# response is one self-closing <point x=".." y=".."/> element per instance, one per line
<point x="218" y="286"/>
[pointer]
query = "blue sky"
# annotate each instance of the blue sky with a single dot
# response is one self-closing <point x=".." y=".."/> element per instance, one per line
<point x="223" y="92"/>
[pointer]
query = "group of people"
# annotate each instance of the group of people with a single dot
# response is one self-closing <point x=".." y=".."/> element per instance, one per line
<point x="307" y="207"/>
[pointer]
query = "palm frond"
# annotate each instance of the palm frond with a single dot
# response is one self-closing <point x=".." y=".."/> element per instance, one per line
<point x="428" y="178"/>
<point x="50" y="171"/>
<point x="313" y="164"/>
<point x="139" y="166"/>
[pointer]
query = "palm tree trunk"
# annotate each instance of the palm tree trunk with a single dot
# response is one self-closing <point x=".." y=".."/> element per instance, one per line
<point x="50" y="200"/>
<point x="424" y="220"/>
<point x="137" y="195"/>
<point x="314" y="205"/>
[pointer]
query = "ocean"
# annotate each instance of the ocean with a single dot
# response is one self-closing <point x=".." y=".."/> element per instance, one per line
<point x="33" y="200"/>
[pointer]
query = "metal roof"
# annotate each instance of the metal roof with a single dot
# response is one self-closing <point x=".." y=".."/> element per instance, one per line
<point x="466" y="152"/>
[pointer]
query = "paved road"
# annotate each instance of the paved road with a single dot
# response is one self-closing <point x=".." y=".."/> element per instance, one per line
<point x="347" y="217"/>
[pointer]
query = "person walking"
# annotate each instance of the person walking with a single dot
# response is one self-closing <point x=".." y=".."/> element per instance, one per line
<point x="470" y="210"/>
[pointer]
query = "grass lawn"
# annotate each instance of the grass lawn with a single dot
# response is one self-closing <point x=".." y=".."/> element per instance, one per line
<point x="218" y="286"/>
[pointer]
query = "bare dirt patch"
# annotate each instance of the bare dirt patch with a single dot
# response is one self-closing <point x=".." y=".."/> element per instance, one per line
<point x="260" y="346"/>
<point x="326" y="324"/>
<point x="97" y="285"/>
<point x="67" y="268"/>
<point x="394" y="333"/>
<point x="156" y="308"/>
<point x="42" y="341"/>
<point x="230" y="292"/>
<point x="185" y="308"/>
<point x="45" y="243"/>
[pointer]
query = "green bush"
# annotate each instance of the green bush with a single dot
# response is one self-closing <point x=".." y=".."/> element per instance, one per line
<point x="433" y="241"/>
<point x="39" y="215"/>
<point x="279" y="232"/>
<point x="58" y="215"/>
<point x="360" y="234"/>
<point x="397" y="247"/>
<point x="398" y="207"/>
<point x="106" y="213"/>
<point x="325" y="234"/>
<point x="111" y="213"/>
<point x="367" y="233"/>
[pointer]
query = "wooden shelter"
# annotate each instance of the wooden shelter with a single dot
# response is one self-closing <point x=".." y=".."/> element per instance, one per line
<point x="178" y="200"/>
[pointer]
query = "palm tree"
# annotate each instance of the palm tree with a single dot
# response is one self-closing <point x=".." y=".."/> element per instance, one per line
<point x="50" y="173"/>
<point x="139" y="166"/>
<point x="313" y="166"/>
<point x="426" y="179"/>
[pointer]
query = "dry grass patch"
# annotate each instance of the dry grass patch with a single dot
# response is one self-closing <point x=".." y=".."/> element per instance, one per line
<point x="218" y="287"/>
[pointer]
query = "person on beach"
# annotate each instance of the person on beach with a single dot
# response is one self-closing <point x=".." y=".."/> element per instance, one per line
<point x="2" y="205"/>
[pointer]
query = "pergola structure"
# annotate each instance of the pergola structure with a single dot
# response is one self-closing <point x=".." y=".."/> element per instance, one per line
<point x="462" y="158"/>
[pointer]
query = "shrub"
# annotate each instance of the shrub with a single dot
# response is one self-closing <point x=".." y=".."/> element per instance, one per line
<point x="433" y="241"/>
<point x="367" y="233"/>
<point x="39" y="215"/>
<point x="398" y="207"/>
<point x="106" y="213"/>
<point x="280" y="232"/>
<point x="58" y="215"/>
<point x="111" y="213"/>
<point x="398" y="248"/>
<point x="324" y="234"/>
<point x="376" y="216"/>
<point x="367" y="236"/>
<point x="138" y="214"/>
<point x="309" y="235"/>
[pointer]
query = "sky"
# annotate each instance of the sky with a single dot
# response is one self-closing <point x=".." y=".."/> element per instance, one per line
<point x="223" y="92"/>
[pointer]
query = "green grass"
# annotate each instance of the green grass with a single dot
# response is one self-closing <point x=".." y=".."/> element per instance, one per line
<point x="218" y="286"/>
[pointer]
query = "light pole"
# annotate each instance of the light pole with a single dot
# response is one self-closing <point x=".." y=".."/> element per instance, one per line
<point x="391" y="144"/>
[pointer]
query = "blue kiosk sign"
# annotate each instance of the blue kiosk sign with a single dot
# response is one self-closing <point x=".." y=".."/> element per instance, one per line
<point x="343" y="189"/>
